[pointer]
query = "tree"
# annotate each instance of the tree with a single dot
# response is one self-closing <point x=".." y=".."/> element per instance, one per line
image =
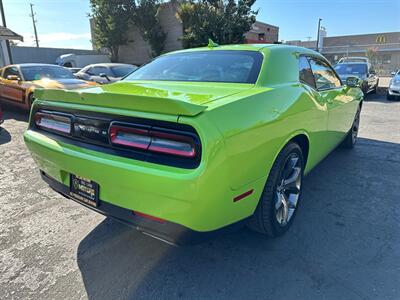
<point x="224" y="21"/>
<point x="146" y="19"/>
<point x="372" y="54"/>
<point x="111" y="20"/>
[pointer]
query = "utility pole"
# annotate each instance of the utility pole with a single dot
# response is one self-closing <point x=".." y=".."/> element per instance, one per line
<point x="319" y="28"/>
<point x="3" y="20"/>
<point x="34" y="25"/>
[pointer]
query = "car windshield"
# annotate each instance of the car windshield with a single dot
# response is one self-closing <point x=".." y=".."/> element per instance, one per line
<point x="32" y="73"/>
<point x="351" y="69"/>
<point x="121" y="71"/>
<point x="203" y="66"/>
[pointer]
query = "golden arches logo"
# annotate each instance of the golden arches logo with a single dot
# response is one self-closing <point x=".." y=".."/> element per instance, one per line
<point x="381" y="39"/>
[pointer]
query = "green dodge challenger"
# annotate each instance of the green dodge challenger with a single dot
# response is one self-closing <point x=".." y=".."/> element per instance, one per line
<point x="198" y="141"/>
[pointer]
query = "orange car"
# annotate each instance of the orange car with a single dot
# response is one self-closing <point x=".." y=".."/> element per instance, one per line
<point x="17" y="82"/>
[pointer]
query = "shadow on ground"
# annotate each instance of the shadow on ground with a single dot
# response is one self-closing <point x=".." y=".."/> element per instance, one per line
<point x="380" y="96"/>
<point x="14" y="113"/>
<point x="342" y="245"/>
<point x="5" y="136"/>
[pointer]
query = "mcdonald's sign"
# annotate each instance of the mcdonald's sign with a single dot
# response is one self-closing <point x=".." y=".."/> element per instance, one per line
<point x="381" y="39"/>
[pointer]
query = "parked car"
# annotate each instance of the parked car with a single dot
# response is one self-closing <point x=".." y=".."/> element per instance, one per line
<point x="197" y="141"/>
<point x="74" y="70"/>
<point x="1" y="117"/>
<point x="364" y="71"/>
<point x="105" y="73"/>
<point x="17" y="82"/>
<point x="72" y="60"/>
<point x="393" y="91"/>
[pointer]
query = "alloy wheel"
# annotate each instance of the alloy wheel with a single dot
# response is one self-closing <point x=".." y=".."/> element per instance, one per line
<point x="288" y="189"/>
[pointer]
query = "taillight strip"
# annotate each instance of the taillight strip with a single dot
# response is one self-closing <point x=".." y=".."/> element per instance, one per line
<point x="130" y="137"/>
<point x="53" y="122"/>
<point x="153" y="140"/>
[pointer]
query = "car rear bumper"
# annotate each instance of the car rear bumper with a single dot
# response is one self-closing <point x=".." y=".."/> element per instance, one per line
<point x="165" y="231"/>
<point x="199" y="199"/>
<point x="394" y="91"/>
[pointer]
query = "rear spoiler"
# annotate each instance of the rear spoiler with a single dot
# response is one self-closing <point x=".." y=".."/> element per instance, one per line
<point x="97" y="97"/>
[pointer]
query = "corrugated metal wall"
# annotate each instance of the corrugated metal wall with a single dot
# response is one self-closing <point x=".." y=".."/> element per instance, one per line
<point x="42" y="55"/>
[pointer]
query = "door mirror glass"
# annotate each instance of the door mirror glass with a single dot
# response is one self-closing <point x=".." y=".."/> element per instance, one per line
<point x="353" y="81"/>
<point x="13" y="77"/>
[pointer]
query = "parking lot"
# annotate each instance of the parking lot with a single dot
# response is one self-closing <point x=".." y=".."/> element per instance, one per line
<point x="344" y="244"/>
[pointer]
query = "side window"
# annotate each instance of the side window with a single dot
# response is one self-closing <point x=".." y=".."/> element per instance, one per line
<point x="88" y="71"/>
<point x="325" y="77"/>
<point x="98" y="70"/>
<point x="11" y="71"/>
<point x="305" y="73"/>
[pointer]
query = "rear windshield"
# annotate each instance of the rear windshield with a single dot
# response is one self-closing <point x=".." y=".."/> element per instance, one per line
<point x="351" y="69"/>
<point x="32" y="73"/>
<point x="203" y="66"/>
<point x="121" y="71"/>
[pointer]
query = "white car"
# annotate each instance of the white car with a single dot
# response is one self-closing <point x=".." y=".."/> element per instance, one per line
<point x="105" y="73"/>
<point x="394" y="87"/>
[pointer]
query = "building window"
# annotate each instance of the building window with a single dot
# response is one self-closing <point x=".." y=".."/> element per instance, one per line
<point x="261" y="36"/>
<point x="268" y="29"/>
<point x="384" y="59"/>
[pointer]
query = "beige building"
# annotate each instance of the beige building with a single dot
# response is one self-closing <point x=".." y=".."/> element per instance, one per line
<point x="137" y="51"/>
<point x="385" y="44"/>
<point x="262" y="33"/>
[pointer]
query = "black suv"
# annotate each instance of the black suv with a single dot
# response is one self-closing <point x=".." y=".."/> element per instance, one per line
<point x="362" y="70"/>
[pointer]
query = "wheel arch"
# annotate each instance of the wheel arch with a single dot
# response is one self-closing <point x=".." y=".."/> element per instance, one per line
<point x="302" y="139"/>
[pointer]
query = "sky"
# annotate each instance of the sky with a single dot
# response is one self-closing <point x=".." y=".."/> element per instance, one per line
<point x="64" y="23"/>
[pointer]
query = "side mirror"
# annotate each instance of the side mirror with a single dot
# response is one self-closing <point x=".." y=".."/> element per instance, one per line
<point x="353" y="81"/>
<point x="392" y="74"/>
<point x="372" y="72"/>
<point x="13" y="77"/>
<point x="104" y="75"/>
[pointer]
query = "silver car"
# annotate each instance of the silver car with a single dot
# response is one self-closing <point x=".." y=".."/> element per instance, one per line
<point x="105" y="73"/>
<point x="394" y="87"/>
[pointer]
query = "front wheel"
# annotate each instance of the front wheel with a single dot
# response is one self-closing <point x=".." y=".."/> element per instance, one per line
<point x="279" y="201"/>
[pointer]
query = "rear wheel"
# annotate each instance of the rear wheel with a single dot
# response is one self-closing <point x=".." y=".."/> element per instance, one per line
<point x="30" y="101"/>
<point x="351" y="137"/>
<point x="279" y="201"/>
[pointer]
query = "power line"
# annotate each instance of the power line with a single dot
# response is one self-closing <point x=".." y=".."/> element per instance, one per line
<point x="34" y="25"/>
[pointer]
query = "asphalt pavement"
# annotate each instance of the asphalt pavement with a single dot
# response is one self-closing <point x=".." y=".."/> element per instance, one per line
<point x="345" y="243"/>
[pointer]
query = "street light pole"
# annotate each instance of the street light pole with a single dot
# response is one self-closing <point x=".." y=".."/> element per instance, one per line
<point x="34" y="25"/>
<point x="319" y="28"/>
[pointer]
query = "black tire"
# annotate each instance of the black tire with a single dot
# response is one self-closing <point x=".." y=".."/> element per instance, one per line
<point x="389" y="97"/>
<point x="351" y="137"/>
<point x="30" y="101"/>
<point x="265" y="218"/>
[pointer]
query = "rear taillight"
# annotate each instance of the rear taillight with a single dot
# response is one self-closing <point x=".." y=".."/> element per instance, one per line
<point x="53" y="122"/>
<point x="172" y="143"/>
<point x="130" y="137"/>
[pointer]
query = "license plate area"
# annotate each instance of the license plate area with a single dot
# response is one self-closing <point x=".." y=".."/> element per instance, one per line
<point x="84" y="190"/>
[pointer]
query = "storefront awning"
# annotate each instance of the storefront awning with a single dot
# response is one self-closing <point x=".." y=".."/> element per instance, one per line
<point x="7" y="34"/>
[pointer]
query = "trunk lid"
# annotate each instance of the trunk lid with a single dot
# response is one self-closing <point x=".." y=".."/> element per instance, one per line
<point x="174" y="98"/>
